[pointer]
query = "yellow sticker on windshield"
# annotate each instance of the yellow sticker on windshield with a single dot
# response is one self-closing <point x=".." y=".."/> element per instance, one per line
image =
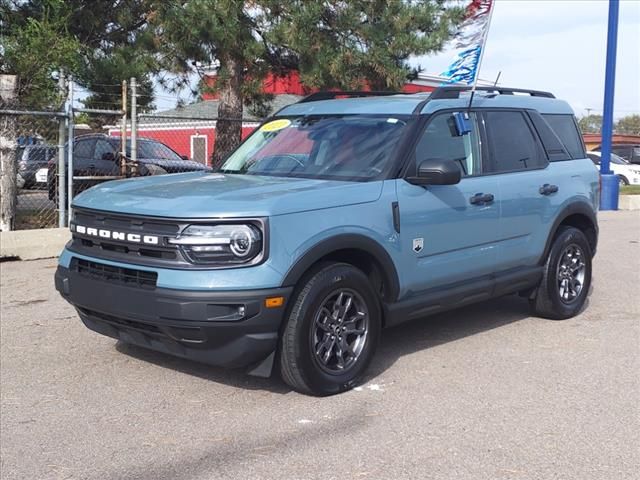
<point x="275" y="125"/>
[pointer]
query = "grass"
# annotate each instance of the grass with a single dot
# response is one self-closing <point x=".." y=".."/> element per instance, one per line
<point x="630" y="190"/>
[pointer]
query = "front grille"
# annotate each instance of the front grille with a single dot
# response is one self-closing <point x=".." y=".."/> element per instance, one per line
<point x="109" y="273"/>
<point x="158" y="255"/>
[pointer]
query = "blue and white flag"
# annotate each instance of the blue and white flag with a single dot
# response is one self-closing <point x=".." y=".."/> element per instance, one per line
<point x="470" y="40"/>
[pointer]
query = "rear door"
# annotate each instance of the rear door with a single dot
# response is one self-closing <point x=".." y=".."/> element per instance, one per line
<point x="529" y="191"/>
<point x="445" y="236"/>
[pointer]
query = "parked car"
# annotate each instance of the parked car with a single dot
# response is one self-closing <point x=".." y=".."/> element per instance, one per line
<point x="628" y="173"/>
<point x="334" y="219"/>
<point x="33" y="165"/>
<point x="631" y="153"/>
<point x="96" y="160"/>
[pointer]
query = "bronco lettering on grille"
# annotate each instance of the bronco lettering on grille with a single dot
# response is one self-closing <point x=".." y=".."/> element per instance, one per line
<point x="122" y="236"/>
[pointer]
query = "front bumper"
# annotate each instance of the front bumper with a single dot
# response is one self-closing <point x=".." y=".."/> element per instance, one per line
<point x="225" y="328"/>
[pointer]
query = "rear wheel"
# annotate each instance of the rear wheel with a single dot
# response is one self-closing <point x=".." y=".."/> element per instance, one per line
<point x="622" y="180"/>
<point x="567" y="276"/>
<point x="331" y="332"/>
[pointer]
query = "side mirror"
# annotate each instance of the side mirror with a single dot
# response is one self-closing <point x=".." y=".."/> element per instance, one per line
<point x="184" y="157"/>
<point x="437" y="171"/>
<point x="109" y="156"/>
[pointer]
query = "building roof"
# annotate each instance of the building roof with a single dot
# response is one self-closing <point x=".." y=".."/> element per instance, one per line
<point x="208" y="110"/>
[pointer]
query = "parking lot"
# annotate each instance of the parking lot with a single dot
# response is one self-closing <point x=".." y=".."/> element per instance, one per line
<point x="485" y="392"/>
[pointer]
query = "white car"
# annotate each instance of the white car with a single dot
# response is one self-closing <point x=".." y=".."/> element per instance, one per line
<point x="628" y="173"/>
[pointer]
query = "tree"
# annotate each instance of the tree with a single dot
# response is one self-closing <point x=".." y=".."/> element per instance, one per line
<point x="628" y="125"/>
<point x="96" y="41"/>
<point x="590" y="123"/>
<point x="334" y="44"/>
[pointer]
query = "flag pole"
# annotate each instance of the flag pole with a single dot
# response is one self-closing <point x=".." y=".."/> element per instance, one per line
<point x="485" y="34"/>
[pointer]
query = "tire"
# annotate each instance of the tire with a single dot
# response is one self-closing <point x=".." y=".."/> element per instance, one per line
<point x="310" y="325"/>
<point x="622" y="180"/>
<point x="567" y="276"/>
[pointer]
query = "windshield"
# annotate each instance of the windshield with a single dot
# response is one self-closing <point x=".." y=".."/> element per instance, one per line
<point x="336" y="147"/>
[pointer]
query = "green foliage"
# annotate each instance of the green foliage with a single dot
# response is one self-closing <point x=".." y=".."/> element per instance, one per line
<point x="590" y="123"/>
<point x="629" y="125"/>
<point x="95" y="41"/>
<point x="36" y="49"/>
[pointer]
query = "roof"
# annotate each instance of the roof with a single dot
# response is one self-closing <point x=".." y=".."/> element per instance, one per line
<point x="208" y="110"/>
<point x="405" y="104"/>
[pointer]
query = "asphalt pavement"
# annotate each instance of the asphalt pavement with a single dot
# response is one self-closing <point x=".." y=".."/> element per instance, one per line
<point x="484" y="392"/>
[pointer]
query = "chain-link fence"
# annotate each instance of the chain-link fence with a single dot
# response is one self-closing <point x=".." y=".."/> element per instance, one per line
<point x="31" y="145"/>
<point x="42" y="170"/>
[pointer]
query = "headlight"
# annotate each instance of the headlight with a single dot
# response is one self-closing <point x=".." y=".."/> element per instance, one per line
<point x="224" y="243"/>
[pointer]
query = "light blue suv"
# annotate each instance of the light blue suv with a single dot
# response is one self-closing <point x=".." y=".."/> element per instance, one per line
<point x="336" y="218"/>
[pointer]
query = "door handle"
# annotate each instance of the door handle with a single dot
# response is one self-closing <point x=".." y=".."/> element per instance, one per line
<point x="481" y="198"/>
<point x="548" y="189"/>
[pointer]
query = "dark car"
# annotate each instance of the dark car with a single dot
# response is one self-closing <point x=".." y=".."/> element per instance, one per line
<point x="32" y="165"/>
<point x="96" y="159"/>
<point x="631" y="153"/>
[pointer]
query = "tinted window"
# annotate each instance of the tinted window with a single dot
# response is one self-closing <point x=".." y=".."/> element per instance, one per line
<point x="512" y="145"/>
<point x="566" y="130"/>
<point x="440" y="140"/>
<point x="83" y="148"/>
<point x="103" y="147"/>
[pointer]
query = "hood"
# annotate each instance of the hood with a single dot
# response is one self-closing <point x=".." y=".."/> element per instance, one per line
<point x="206" y="195"/>
<point x="174" y="165"/>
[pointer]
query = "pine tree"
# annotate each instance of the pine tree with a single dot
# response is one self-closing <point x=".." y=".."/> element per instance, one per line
<point x="334" y="44"/>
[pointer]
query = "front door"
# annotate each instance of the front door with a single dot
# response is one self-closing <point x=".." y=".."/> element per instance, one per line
<point x="447" y="236"/>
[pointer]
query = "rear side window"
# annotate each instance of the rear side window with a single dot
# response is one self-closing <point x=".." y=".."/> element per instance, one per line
<point x="565" y="128"/>
<point x="512" y="144"/>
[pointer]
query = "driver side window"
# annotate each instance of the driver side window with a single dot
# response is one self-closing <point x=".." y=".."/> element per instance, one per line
<point x="440" y="140"/>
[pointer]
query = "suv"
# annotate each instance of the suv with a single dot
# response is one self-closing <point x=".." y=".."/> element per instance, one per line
<point x="96" y="159"/>
<point x="33" y="163"/>
<point x="336" y="218"/>
<point x="629" y="152"/>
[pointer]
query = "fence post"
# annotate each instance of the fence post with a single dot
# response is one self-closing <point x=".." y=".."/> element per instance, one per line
<point x="8" y="171"/>
<point x="134" y="127"/>
<point x="70" y="121"/>
<point x="61" y="174"/>
<point x="123" y="131"/>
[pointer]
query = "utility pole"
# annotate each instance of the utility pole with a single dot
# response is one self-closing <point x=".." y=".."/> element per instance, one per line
<point x="610" y="187"/>
<point x="134" y="127"/>
<point x="61" y="174"/>
<point x="123" y="132"/>
<point x="70" y="143"/>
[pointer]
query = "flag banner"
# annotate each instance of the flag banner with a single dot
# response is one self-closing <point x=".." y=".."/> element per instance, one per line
<point x="470" y="41"/>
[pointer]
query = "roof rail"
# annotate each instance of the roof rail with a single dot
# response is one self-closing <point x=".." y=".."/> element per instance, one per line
<point x="453" y="91"/>
<point x="315" y="97"/>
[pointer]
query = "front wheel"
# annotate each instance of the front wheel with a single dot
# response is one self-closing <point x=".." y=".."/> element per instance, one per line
<point x="622" y="181"/>
<point x="331" y="332"/>
<point x="567" y="276"/>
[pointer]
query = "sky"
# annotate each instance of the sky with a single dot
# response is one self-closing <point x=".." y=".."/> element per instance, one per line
<point x="559" y="46"/>
<point x="553" y="45"/>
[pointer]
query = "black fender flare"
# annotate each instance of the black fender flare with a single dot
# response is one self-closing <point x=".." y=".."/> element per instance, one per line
<point x="342" y="242"/>
<point x="576" y="208"/>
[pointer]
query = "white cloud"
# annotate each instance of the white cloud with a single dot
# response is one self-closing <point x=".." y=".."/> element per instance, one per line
<point x="560" y="46"/>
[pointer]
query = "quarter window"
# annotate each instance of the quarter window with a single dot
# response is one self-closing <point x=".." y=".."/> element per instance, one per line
<point x="441" y="141"/>
<point x="567" y="132"/>
<point x="512" y="145"/>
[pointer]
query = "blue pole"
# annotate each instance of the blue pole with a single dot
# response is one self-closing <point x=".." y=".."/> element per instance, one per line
<point x="609" y="181"/>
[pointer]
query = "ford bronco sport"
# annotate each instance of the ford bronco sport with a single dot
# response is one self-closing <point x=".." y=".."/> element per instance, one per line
<point x="335" y="218"/>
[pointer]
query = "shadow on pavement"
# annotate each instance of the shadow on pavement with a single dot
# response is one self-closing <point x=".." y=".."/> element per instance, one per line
<point x="396" y="342"/>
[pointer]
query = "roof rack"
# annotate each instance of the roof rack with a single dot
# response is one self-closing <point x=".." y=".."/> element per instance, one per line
<point x="315" y="97"/>
<point x="453" y="91"/>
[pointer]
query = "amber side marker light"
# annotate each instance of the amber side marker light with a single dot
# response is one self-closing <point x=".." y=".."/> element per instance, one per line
<point x="273" y="302"/>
